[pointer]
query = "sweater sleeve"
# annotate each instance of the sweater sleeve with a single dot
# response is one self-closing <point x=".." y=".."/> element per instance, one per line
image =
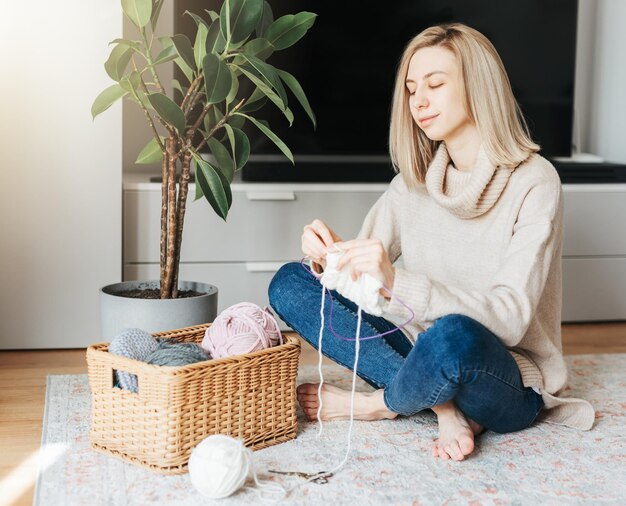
<point x="382" y="221"/>
<point x="507" y="305"/>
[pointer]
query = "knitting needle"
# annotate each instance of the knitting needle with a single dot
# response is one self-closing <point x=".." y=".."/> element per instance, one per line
<point x="320" y="479"/>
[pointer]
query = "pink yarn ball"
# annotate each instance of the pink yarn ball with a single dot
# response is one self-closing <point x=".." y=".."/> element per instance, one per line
<point x="241" y="328"/>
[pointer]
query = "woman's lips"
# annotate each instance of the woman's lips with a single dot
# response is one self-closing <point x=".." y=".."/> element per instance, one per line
<point x="428" y="120"/>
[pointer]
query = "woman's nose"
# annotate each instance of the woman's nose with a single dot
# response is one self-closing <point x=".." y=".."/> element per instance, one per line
<point x="420" y="100"/>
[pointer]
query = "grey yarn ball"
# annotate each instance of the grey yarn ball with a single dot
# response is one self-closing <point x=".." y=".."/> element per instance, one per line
<point x="173" y="353"/>
<point x="136" y="344"/>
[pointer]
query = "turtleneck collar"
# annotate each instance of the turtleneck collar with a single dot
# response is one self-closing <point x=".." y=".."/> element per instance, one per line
<point x="465" y="194"/>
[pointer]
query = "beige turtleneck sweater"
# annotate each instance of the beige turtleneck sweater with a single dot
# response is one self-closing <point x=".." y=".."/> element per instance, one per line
<point x="486" y="244"/>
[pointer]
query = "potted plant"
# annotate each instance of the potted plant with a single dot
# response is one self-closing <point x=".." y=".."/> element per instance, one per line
<point x="207" y="111"/>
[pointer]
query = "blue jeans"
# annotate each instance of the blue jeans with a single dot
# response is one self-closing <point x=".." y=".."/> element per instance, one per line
<point x="457" y="358"/>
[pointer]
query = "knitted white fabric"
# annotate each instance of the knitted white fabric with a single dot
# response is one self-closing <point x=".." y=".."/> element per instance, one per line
<point x="364" y="293"/>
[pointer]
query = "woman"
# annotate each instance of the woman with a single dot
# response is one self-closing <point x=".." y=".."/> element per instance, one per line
<point x="477" y="215"/>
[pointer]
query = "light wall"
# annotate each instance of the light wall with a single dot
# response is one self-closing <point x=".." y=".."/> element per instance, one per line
<point x="604" y="123"/>
<point x="61" y="172"/>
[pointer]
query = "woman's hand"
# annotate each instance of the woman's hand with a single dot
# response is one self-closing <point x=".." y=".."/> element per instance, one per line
<point x="316" y="238"/>
<point x="368" y="256"/>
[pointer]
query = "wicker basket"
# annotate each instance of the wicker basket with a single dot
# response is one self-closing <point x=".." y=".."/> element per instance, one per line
<point x="251" y="397"/>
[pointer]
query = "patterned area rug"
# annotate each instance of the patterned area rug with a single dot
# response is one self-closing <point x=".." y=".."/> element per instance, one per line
<point x="390" y="461"/>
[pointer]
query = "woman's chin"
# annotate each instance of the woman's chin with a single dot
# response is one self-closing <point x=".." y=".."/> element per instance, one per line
<point x="433" y="136"/>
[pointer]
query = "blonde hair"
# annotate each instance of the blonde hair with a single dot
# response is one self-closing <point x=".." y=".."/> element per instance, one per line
<point x="489" y="103"/>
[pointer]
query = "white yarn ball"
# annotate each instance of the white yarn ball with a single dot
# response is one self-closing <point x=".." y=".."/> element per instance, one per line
<point x="219" y="466"/>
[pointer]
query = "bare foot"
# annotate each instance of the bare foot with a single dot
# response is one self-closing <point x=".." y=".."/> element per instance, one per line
<point x="336" y="403"/>
<point x="456" y="433"/>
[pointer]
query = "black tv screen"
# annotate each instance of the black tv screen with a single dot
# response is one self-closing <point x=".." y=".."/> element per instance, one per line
<point x="346" y="64"/>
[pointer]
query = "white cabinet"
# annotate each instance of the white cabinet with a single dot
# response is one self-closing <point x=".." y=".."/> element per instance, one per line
<point x="262" y="233"/>
<point x="265" y="223"/>
<point x="594" y="252"/>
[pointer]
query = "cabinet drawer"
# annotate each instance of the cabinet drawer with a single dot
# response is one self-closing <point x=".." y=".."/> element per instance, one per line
<point x="594" y="289"/>
<point x="594" y="223"/>
<point x="236" y="282"/>
<point x="261" y="225"/>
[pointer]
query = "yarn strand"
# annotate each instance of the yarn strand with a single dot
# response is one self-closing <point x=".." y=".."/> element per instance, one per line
<point x="319" y="365"/>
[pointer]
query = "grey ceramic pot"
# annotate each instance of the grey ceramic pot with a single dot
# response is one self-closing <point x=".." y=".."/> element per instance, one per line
<point x="155" y="315"/>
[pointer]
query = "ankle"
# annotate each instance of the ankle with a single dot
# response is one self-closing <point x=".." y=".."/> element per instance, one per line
<point x="379" y="407"/>
<point x="446" y="409"/>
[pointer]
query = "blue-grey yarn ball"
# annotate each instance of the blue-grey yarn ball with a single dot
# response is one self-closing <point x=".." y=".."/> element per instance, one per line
<point x="136" y="344"/>
<point x="170" y="352"/>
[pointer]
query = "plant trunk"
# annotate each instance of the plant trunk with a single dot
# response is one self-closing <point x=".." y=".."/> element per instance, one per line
<point x="180" y="216"/>
<point x="163" y="235"/>
<point x="168" y="229"/>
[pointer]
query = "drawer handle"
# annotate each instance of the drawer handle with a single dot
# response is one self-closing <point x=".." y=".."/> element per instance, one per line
<point x="263" y="266"/>
<point x="271" y="195"/>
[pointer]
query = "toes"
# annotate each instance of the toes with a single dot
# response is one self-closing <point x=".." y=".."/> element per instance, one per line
<point x="311" y="414"/>
<point x="442" y="453"/>
<point x="435" y="450"/>
<point x="307" y="388"/>
<point x="466" y="445"/>
<point x="308" y="397"/>
<point x="454" y="451"/>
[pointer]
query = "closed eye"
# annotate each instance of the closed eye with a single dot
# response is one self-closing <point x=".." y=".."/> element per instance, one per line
<point x="437" y="86"/>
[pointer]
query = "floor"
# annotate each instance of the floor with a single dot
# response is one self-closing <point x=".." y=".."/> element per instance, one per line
<point x="22" y="390"/>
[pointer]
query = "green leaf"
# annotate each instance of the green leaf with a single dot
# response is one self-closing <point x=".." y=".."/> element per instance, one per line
<point x="212" y="185"/>
<point x="156" y="11"/>
<point x="267" y="18"/>
<point x="257" y="100"/>
<point x="223" y="158"/>
<point x="289" y="29"/>
<point x="269" y="74"/>
<point x="212" y="117"/>
<point x="186" y="69"/>
<point x="261" y="85"/>
<point x="240" y="145"/>
<point x="167" y="54"/>
<point x="167" y="42"/>
<point x="138" y="11"/>
<point x="212" y="14"/>
<point x="151" y="153"/>
<point x="293" y="84"/>
<point x="135" y="44"/>
<point x="261" y="48"/>
<point x="270" y="135"/>
<point x="132" y="82"/>
<point x="177" y="86"/>
<point x="217" y="78"/>
<point x="239" y="18"/>
<point x="236" y="121"/>
<point x="117" y="62"/>
<point x="106" y="99"/>
<point x="227" y="190"/>
<point x="215" y="41"/>
<point x="169" y="111"/>
<point x="234" y="88"/>
<point x="184" y="49"/>
<point x="199" y="46"/>
<point x="269" y="93"/>
<point x="199" y="21"/>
